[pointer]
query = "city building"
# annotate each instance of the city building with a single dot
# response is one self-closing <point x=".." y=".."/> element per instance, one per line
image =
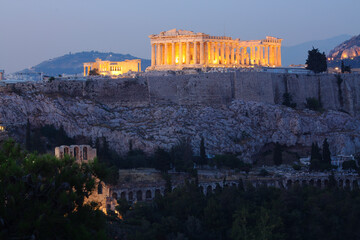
<point x="179" y="49"/>
<point x="113" y="69"/>
<point x="2" y="74"/>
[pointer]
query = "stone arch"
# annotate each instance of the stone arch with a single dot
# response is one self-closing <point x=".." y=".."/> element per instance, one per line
<point x="157" y="192"/>
<point x="115" y="195"/>
<point x="148" y="194"/>
<point x="76" y="153"/>
<point x="312" y="182"/>
<point x="355" y="184"/>
<point x="123" y="195"/>
<point x="201" y="189"/>
<point x="288" y="183"/>
<point x="209" y="189"/>
<point x="130" y="196"/>
<point x="326" y="182"/>
<point x="297" y="182"/>
<point x="347" y="183"/>
<point x="139" y="195"/>
<point x="318" y="183"/>
<point x="341" y="183"/>
<point x="304" y="183"/>
<point x="85" y="153"/>
<point x="66" y="150"/>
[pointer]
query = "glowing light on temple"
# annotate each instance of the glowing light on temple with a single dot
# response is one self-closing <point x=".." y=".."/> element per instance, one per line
<point x="178" y="49"/>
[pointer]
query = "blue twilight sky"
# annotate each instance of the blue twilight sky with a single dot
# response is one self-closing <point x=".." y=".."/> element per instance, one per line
<point x="35" y="30"/>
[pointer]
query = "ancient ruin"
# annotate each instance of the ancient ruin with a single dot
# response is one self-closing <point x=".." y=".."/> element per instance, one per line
<point x="110" y="68"/>
<point x="179" y="49"/>
<point x="81" y="153"/>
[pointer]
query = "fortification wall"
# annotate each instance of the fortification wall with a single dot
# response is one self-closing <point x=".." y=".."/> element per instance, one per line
<point x="208" y="89"/>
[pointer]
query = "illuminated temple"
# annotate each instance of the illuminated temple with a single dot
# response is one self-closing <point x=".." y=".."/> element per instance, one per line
<point x="110" y="68"/>
<point x="179" y="49"/>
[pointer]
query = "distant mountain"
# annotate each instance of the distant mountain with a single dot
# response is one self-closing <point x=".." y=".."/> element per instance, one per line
<point x="297" y="54"/>
<point x="72" y="63"/>
<point x="348" y="51"/>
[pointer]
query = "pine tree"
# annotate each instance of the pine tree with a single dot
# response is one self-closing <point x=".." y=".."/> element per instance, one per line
<point x="277" y="157"/>
<point x="326" y="155"/>
<point x="316" y="157"/>
<point x="202" y="151"/>
<point x="316" y="61"/>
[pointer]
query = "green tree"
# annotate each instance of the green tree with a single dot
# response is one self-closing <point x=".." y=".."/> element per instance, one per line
<point x="316" y="61"/>
<point x="28" y="136"/>
<point x="42" y="197"/>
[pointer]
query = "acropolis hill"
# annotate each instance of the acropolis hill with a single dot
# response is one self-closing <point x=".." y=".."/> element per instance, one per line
<point x="237" y="112"/>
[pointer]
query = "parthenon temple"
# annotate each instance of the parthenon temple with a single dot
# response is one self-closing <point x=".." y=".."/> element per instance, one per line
<point x="179" y="49"/>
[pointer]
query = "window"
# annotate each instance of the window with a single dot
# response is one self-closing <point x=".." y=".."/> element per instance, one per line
<point x="100" y="188"/>
<point x="85" y="153"/>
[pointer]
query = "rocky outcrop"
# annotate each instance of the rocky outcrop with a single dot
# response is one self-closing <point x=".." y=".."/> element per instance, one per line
<point x="239" y="126"/>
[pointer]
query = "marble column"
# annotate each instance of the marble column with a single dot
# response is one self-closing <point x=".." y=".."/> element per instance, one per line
<point x="152" y="54"/>
<point x="166" y="54"/>
<point x="195" y="52"/>
<point x="211" y="52"/>
<point x="173" y="54"/>
<point x="227" y="54"/>
<point x="216" y="52"/>
<point x="271" y="53"/>
<point x="261" y="55"/>
<point x="266" y="55"/>
<point x="180" y="53"/>
<point x="257" y="58"/>
<point x="202" y="53"/>
<point x="187" y="57"/>
<point x="243" y="52"/>
<point x="237" y="54"/>
<point x="158" y="54"/>
<point x="232" y="54"/>
<point x="279" y="56"/>
<point x="222" y="52"/>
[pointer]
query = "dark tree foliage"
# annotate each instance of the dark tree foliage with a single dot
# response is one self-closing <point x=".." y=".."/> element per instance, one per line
<point x="28" y="137"/>
<point x="94" y="72"/>
<point x="203" y="158"/>
<point x="162" y="160"/>
<point x="261" y="213"/>
<point x="316" y="61"/>
<point x="230" y="161"/>
<point x="277" y="155"/>
<point x="316" y="157"/>
<point x="344" y="68"/>
<point x="313" y="104"/>
<point x="326" y="155"/>
<point x="349" y="165"/>
<point x="288" y="101"/>
<point x="42" y="197"/>
<point x="320" y="160"/>
<point x="182" y="156"/>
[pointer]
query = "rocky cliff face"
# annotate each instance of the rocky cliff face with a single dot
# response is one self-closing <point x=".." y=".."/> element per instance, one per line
<point x="239" y="126"/>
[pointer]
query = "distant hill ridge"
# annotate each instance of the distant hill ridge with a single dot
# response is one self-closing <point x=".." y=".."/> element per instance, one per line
<point x="72" y="63"/>
<point x="348" y="51"/>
